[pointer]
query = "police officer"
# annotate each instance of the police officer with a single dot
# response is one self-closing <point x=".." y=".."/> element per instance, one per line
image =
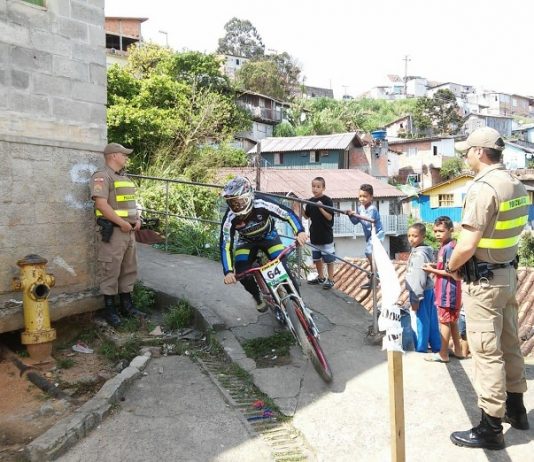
<point x="495" y="213"/>
<point x="117" y="214"/>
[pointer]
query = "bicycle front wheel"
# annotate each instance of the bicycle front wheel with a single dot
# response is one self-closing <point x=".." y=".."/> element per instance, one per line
<point x="309" y="343"/>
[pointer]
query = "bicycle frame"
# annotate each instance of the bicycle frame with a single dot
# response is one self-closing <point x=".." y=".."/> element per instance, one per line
<point x="277" y="294"/>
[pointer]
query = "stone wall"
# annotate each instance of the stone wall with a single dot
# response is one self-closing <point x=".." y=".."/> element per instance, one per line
<point x="52" y="131"/>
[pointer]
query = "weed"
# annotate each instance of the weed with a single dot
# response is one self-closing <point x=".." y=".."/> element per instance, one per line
<point x="113" y="352"/>
<point x="179" y="316"/>
<point x="65" y="363"/>
<point x="143" y="297"/>
<point x="23" y="353"/>
<point x="130" y="325"/>
<point x="278" y="344"/>
<point x="88" y="335"/>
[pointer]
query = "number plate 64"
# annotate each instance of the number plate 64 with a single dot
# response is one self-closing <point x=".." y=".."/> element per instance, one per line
<point x="274" y="273"/>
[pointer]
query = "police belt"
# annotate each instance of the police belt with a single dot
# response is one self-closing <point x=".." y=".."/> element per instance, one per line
<point x="474" y="270"/>
<point x="493" y="266"/>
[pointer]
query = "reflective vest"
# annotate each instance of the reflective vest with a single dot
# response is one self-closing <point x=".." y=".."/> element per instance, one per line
<point x="501" y="237"/>
<point x="122" y="200"/>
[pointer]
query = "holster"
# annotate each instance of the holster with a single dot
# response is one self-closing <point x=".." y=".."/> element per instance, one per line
<point x="474" y="270"/>
<point x="106" y="228"/>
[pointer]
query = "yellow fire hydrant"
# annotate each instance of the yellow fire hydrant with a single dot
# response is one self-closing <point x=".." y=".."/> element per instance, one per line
<point x="35" y="285"/>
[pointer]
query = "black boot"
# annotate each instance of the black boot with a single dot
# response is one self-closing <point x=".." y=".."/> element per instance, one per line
<point x="488" y="434"/>
<point x="516" y="414"/>
<point x="127" y="307"/>
<point x="110" y="313"/>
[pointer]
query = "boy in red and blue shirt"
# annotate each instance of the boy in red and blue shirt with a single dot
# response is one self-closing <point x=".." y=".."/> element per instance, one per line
<point x="447" y="291"/>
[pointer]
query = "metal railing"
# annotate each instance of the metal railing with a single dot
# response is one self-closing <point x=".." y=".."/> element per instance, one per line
<point x="392" y="225"/>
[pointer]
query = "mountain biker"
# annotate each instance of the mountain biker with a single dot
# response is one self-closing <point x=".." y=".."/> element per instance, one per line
<point x="251" y="217"/>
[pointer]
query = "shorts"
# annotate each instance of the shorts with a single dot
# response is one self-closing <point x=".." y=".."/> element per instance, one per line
<point x="369" y="246"/>
<point x="321" y="253"/>
<point x="447" y="315"/>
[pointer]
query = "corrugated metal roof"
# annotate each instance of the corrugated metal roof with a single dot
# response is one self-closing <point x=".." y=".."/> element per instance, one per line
<point x="348" y="280"/>
<point x="308" y="143"/>
<point x="340" y="184"/>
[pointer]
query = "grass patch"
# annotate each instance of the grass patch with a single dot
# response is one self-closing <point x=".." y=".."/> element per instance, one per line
<point x="143" y="298"/>
<point x="179" y="316"/>
<point x="65" y="363"/>
<point x="278" y="344"/>
<point x="113" y="352"/>
<point x="88" y="335"/>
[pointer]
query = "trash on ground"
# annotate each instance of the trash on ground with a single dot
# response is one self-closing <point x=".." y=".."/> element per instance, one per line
<point x="81" y="347"/>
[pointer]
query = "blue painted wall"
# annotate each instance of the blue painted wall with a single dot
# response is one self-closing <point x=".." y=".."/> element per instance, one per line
<point x="429" y="214"/>
<point x="531" y="213"/>
<point x="301" y="159"/>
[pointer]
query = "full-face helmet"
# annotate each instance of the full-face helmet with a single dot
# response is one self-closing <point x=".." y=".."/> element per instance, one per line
<point x="239" y="195"/>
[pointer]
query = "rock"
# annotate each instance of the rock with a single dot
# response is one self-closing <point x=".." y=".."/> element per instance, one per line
<point x="121" y="365"/>
<point x="47" y="409"/>
<point x="88" y="379"/>
<point x="156" y="331"/>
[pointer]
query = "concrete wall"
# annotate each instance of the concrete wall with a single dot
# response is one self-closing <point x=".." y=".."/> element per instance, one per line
<point x="52" y="131"/>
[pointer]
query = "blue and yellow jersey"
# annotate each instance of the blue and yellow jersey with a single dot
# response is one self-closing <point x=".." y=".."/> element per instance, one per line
<point x="257" y="225"/>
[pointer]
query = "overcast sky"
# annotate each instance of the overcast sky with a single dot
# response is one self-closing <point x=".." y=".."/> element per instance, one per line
<point x="351" y="45"/>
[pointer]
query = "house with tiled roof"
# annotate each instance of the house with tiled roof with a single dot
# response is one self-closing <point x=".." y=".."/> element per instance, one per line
<point x="349" y="280"/>
<point x="335" y="151"/>
<point x="343" y="187"/>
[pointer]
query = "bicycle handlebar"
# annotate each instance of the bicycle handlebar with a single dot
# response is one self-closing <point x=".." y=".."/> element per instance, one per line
<point x="281" y="255"/>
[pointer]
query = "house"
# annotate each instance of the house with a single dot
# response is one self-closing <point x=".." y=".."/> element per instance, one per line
<point x="459" y="90"/>
<point x="419" y="160"/>
<point x="343" y="187"/>
<point x="121" y="34"/>
<point x="266" y="112"/>
<point x="400" y="127"/>
<point x="231" y="64"/>
<point x="503" y="124"/>
<point x="515" y="155"/>
<point x="527" y="178"/>
<point x="305" y="91"/>
<point x="445" y="198"/>
<point x="337" y="151"/>
<point x="524" y="135"/>
<point x="52" y="132"/>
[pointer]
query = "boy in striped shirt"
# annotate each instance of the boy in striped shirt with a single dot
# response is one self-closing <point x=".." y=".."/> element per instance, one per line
<point x="447" y="291"/>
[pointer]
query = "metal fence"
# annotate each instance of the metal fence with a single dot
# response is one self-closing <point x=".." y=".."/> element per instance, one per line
<point x="392" y="224"/>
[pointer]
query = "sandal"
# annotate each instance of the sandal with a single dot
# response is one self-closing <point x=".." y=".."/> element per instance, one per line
<point x="454" y="355"/>
<point x="435" y="358"/>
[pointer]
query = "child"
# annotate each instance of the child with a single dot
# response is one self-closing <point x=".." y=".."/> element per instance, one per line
<point x="463" y="334"/>
<point x="420" y="288"/>
<point x="367" y="210"/>
<point x="321" y="233"/>
<point x="447" y="292"/>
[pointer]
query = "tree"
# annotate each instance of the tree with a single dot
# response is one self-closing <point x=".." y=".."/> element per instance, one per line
<point x="451" y="168"/>
<point x="159" y="102"/>
<point x="241" y="39"/>
<point x="440" y="114"/>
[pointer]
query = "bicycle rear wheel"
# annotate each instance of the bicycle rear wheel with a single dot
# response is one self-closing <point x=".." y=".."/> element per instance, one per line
<point x="309" y="343"/>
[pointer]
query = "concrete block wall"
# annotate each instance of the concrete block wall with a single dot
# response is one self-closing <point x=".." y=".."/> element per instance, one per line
<point x="52" y="131"/>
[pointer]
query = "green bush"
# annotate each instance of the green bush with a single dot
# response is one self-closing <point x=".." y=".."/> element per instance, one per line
<point x="143" y="297"/>
<point x="113" y="352"/>
<point x="179" y="316"/>
<point x="278" y="344"/>
<point x="194" y="238"/>
<point x="526" y="249"/>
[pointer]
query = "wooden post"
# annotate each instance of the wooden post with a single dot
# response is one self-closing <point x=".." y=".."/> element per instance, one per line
<point x="396" y="406"/>
<point x="258" y="166"/>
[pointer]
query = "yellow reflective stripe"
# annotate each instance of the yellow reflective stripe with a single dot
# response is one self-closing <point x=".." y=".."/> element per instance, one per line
<point x="504" y="243"/>
<point x="509" y="224"/>
<point x="120" y="213"/>
<point x="242" y="252"/>
<point x="276" y="247"/>
<point x="513" y="204"/>
<point x="125" y="197"/>
<point x="123" y="184"/>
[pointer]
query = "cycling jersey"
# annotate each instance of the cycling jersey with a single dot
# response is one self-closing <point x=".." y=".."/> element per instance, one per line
<point x="256" y="227"/>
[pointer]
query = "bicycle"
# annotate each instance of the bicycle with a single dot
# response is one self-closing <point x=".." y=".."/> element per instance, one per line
<point x="289" y="309"/>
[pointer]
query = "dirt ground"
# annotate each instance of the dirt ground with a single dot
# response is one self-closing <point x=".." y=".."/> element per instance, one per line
<point x="25" y="410"/>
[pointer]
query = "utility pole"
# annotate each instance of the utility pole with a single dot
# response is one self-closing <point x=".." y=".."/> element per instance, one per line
<point x="345" y="89"/>
<point x="406" y="59"/>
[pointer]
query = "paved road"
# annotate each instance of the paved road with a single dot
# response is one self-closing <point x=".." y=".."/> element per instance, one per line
<point x="347" y="420"/>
